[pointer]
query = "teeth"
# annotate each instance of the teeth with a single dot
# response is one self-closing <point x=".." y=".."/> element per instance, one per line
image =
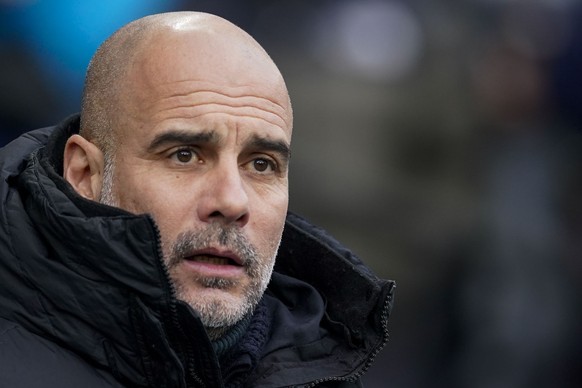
<point x="212" y="260"/>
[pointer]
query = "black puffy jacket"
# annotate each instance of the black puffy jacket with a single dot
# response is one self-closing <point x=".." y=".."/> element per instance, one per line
<point x="85" y="299"/>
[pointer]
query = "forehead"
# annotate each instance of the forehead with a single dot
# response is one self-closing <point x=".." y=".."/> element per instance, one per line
<point x="189" y="75"/>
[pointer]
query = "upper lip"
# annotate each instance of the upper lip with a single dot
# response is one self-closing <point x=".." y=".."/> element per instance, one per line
<point x="218" y="252"/>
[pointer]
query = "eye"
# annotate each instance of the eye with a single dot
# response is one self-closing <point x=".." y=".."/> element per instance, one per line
<point x="260" y="165"/>
<point x="184" y="155"/>
<point x="263" y="165"/>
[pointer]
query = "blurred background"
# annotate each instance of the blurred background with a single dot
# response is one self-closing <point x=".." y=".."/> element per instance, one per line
<point x="439" y="140"/>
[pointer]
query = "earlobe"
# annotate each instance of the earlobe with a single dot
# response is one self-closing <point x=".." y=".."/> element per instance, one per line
<point x="83" y="167"/>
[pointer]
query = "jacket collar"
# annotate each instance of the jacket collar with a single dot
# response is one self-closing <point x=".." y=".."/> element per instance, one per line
<point x="96" y="266"/>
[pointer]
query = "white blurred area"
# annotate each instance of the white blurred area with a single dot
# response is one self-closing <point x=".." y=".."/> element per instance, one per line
<point x="372" y="40"/>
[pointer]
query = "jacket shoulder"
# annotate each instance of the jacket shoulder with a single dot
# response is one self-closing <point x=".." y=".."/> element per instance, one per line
<point x="14" y="154"/>
<point x="31" y="361"/>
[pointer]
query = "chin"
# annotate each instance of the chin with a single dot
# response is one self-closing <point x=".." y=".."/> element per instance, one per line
<point x="217" y="307"/>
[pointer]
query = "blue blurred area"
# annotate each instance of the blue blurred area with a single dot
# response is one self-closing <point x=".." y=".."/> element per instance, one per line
<point x="63" y="35"/>
<point x="51" y="42"/>
<point x="442" y="141"/>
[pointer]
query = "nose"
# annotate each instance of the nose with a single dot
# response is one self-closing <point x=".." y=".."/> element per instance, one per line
<point x="224" y="197"/>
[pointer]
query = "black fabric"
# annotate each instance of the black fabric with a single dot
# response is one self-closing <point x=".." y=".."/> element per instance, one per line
<point x="85" y="296"/>
<point x="243" y="358"/>
<point x="230" y="339"/>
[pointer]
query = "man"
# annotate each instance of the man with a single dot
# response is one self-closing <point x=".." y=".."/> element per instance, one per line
<point x="138" y="242"/>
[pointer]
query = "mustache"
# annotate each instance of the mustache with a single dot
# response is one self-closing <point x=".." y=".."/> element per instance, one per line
<point x="215" y="235"/>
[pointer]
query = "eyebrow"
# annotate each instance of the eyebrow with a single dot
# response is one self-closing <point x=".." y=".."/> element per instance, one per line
<point x="173" y="137"/>
<point x="182" y="137"/>
<point x="265" y="144"/>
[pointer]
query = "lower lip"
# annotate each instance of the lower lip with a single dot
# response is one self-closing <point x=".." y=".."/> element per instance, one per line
<point x="213" y="270"/>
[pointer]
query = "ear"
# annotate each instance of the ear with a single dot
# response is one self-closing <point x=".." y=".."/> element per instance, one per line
<point x="83" y="167"/>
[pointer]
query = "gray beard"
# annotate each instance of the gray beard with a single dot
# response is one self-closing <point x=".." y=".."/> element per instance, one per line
<point x="217" y="313"/>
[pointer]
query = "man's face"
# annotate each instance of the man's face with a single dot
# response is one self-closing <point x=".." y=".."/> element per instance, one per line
<point x="207" y="157"/>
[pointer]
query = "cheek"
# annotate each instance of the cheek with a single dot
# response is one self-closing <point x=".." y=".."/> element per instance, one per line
<point x="269" y="222"/>
<point x="170" y="211"/>
<point x="149" y="194"/>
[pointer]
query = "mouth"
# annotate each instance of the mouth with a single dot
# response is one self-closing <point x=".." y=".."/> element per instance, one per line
<point x="213" y="263"/>
<point x="213" y="259"/>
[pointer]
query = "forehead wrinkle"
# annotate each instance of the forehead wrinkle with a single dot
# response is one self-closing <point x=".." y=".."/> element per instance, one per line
<point x="192" y="116"/>
<point x="187" y="87"/>
<point x="207" y="86"/>
<point x="231" y="95"/>
<point x="233" y="102"/>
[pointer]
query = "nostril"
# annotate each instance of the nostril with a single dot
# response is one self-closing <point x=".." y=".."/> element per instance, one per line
<point x="243" y="218"/>
<point x="218" y="216"/>
<point x="215" y="214"/>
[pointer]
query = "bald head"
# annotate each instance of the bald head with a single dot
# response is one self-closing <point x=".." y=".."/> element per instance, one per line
<point x="164" y="50"/>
